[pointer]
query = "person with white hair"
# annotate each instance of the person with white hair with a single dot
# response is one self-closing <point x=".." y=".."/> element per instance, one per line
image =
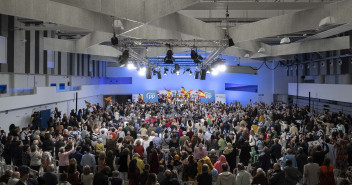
<point x="260" y="178"/>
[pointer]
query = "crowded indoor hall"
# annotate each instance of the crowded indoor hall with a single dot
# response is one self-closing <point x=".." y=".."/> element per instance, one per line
<point x="175" y="92"/>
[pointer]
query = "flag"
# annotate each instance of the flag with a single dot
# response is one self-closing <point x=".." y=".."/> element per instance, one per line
<point x="168" y="94"/>
<point x="188" y="93"/>
<point x="183" y="90"/>
<point x="89" y="105"/>
<point x="108" y="99"/>
<point x="140" y="98"/>
<point x="201" y="93"/>
<point x="94" y="108"/>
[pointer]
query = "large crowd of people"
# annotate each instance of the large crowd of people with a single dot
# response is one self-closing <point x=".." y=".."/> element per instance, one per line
<point x="181" y="141"/>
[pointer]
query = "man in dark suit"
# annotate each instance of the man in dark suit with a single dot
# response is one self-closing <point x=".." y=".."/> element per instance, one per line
<point x="277" y="177"/>
<point x="205" y="178"/>
<point x="275" y="150"/>
<point x="24" y="175"/>
<point x="102" y="178"/>
<point x="293" y="175"/>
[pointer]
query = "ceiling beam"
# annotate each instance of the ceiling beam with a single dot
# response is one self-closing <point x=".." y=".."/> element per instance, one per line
<point x="189" y="26"/>
<point x="70" y="47"/>
<point x="337" y="43"/>
<point x="293" y="23"/>
<point x="131" y="9"/>
<point x="255" y="5"/>
<point x="154" y="9"/>
<point x="48" y="11"/>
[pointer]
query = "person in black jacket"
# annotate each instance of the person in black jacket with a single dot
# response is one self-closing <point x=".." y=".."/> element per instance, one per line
<point x="275" y="150"/>
<point x="264" y="159"/>
<point x="277" y="177"/>
<point x="144" y="176"/>
<point x="302" y="159"/>
<point x="205" y="178"/>
<point x="319" y="155"/>
<point x="102" y="178"/>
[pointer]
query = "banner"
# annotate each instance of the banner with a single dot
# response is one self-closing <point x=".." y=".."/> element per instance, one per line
<point x="150" y="96"/>
<point x="135" y="98"/>
<point x="209" y="96"/>
<point x="220" y="98"/>
<point x="314" y="143"/>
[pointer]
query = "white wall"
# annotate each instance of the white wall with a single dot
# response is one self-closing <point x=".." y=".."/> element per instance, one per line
<point x="336" y="92"/>
<point x="21" y="117"/>
<point x="57" y="80"/>
<point x="280" y="80"/>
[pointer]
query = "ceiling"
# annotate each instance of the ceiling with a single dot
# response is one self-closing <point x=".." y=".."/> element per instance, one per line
<point x="254" y="25"/>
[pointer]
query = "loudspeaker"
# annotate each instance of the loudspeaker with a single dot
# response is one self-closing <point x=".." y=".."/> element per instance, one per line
<point x="159" y="75"/>
<point x="196" y="76"/>
<point x="148" y="74"/>
<point x="203" y="74"/>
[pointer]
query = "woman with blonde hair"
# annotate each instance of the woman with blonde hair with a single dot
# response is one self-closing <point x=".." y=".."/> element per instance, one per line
<point x="87" y="176"/>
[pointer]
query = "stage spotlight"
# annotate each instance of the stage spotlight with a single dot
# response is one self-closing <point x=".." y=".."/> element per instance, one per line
<point x="131" y="66"/>
<point x="208" y="69"/>
<point x="231" y="43"/>
<point x="214" y="72"/>
<point x="195" y="57"/>
<point x="196" y="76"/>
<point x="165" y="71"/>
<point x="177" y="67"/>
<point x="159" y="74"/>
<point x="169" y="59"/>
<point x="177" y="73"/>
<point x="190" y="72"/>
<point x="123" y="59"/>
<point x="114" y="40"/>
<point x="142" y="71"/>
<point x="221" y="67"/>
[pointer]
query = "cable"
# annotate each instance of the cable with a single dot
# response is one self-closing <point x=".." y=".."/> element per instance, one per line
<point x="274" y="67"/>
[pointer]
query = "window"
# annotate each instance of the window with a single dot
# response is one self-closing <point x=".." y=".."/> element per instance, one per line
<point x="51" y="59"/>
<point x="3" y="50"/>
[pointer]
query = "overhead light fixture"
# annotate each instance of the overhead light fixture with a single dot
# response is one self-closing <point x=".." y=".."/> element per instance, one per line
<point x="285" y="40"/>
<point x="114" y="40"/>
<point x="261" y="50"/>
<point x="327" y="21"/>
<point x="123" y="59"/>
<point x="195" y="57"/>
<point x="142" y="71"/>
<point x="117" y="24"/>
<point x="169" y="59"/>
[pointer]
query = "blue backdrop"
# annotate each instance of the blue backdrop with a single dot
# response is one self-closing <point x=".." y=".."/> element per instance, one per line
<point x="150" y="96"/>
<point x="209" y="96"/>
